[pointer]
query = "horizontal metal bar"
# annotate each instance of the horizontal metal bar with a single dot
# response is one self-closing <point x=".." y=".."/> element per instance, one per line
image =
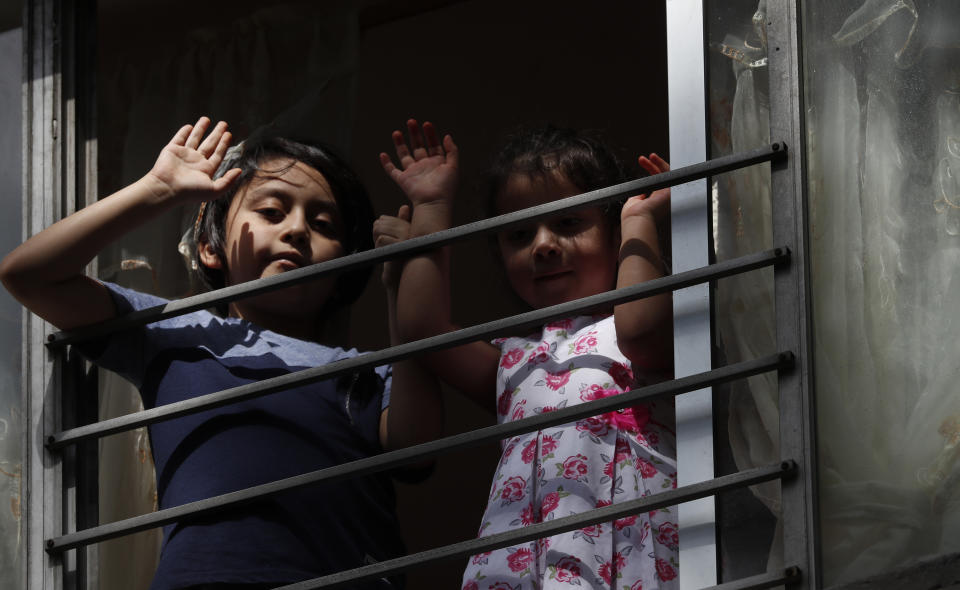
<point x="402" y="351"/>
<point x="761" y="581"/>
<point x="392" y="459"/>
<point x="414" y="246"/>
<point x="546" y="529"/>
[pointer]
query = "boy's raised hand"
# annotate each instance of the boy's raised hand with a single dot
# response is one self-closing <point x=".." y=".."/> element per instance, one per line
<point x="657" y="204"/>
<point x="186" y="165"/>
<point x="428" y="168"/>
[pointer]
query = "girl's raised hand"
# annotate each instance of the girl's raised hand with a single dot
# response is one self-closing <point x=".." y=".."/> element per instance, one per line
<point x="427" y="169"/>
<point x="390" y="230"/>
<point x="186" y="165"/>
<point x="657" y="204"/>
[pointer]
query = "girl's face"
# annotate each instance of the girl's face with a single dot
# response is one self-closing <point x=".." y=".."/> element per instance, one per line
<point x="558" y="259"/>
<point x="278" y="222"/>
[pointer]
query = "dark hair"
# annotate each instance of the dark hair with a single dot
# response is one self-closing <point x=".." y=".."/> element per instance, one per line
<point x="542" y="151"/>
<point x="352" y="200"/>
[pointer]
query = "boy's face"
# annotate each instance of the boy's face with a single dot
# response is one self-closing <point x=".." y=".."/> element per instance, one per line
<point x="278" y="222"/>
<point x="558" y="259"/>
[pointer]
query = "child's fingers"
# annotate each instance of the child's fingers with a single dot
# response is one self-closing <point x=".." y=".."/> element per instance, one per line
<point x="181" y="136"/>
<point x="388" y="166"/>
<point x="433" y="140"/>
<point x="663" y="164"/>
<point x="197" y="133"/>
<point x="453" y="153"/>
<point x="209" y="145"/>
<point x="404" y="212"/>
<point x="226" y="180"/>
<point x="403" y="153"/>
<point x="221" y="150"/>
<point x="416" y="139"/>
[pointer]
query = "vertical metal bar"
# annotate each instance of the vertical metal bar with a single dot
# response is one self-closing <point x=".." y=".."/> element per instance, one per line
<point x="42" y="193"/>
<point x="690" y="215"/>
<point x="53" y="181"/>
<point x="797" y="411"/>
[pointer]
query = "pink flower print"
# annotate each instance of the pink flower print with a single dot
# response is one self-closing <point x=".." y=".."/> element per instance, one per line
<point x="529" y="451"/>
<point x="518" y="410"/>
<point x="513" y="489"/>
<point x="540" y="355"/>
<point x="502" y="586"/>
<point x="549" y="504"/>
<point x="608" y="469"/>
<point x="603" y="503"/>
<point x="594" y="425"/>
<point x="622" y="523"/>
<point x="646" y="468"/>
<point x="575" y="467"/>
<point x="557" y="380"/>
<point x="638" y="585"/>
<point x="623" y="419"/>
<point x="541" y="545"/>
<point x="651" y="435"/>
<point x="622" y="375"/>
<point x="526" y="515"/>
<point x="519" y="560"/>
<point x="594" y="531"/>
<point x="564" y="324"/>
<point x="481" y="558"/>
<point x="568" y="569"/>
<point x="606" y="572"/>
<point x="667" y="535"/>
<point x="621" y="450"/>
<point x="503" y="402"/>
<point x="618" y="561"/>
<point x="511" y="358"/>
<point x="548" y="444"/>
<point x="584" y="344"/>
<point x="592" y="392"/>
<point x="471" y="585"/>
<point x="665" y="571"/>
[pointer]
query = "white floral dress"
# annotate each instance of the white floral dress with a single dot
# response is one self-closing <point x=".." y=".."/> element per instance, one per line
<point x="575" y="467"/>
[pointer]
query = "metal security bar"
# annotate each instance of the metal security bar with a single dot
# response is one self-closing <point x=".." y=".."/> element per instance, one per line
<point x="57" y="442"/>
<point x="773" y="152"/>
<point x="393" y="459"/>
<point x="545" y="529"/>
<point x="400" y="352"/>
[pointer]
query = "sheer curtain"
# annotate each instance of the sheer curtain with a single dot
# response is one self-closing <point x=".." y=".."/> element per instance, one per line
<point x="883" y="116"/>
<point x="884" y="122"/>
<point x="290" y="66"/>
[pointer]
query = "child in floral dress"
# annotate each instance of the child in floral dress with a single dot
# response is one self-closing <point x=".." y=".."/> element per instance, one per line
<point x="594" y="462"/>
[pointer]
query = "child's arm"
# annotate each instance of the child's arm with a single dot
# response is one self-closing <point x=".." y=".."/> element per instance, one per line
<point x="45" y="273"/>
<point x="427" y="174"/>
<point x="415" y="414"/>
<point x="644" y="326"/>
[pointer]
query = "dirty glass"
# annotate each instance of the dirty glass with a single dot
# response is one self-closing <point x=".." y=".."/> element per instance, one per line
<point x="883" y="114"/>
<point x="11" y="421"/>
<point x="746" y="410"/>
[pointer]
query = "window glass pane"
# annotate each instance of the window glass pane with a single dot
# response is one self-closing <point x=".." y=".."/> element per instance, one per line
<point x="746" y="411"/>
<point x="11" y="420"/>
<point x="883" y="116"/>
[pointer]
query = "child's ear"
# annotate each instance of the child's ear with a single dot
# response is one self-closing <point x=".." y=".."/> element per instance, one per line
<point x="208" y="256"/>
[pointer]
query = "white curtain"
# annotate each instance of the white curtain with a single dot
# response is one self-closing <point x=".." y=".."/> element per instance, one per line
<point x="883" y="116"/>
<point x="291" y="66"/>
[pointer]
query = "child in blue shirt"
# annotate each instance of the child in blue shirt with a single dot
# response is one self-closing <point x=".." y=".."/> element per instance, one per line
<point x="274" y="206"/>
